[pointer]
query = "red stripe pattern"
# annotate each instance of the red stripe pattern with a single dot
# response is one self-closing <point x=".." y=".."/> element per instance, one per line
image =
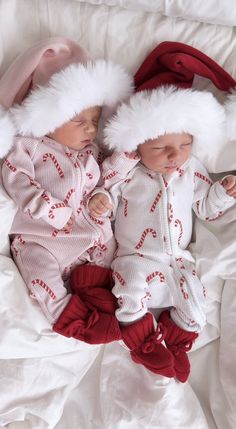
<point x="144" y="235"/>
<point x="44" y="286"/>
<point x="55" y="162"/>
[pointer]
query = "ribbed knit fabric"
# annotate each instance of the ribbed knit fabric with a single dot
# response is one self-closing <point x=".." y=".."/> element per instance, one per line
<point x="93" y="284"/>
<point x="87" y="324"/>
<point x="146" y="346"/>
<point x="153" y="228"/>
<point x="134" y="335"/>
<point x="49" y="183"/>
<point x="179" y="342"/>
<point x="91" y="275"/>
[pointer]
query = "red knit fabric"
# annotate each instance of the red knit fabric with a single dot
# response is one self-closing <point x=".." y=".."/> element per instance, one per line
<point x="178" y="342"/>
<point x="87" y="324"/>
<point x="146" y="346"/>
<point x="91" y="275"/>
<point x="177" y="63"/>
<point x="93" y="284"/>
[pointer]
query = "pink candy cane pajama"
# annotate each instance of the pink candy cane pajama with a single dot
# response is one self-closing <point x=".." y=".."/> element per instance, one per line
<point x="49" y="182"/>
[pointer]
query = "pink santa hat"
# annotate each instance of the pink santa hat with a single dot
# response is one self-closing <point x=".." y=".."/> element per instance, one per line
<point x="164" y="101"/>
<point x="50" y="83"/>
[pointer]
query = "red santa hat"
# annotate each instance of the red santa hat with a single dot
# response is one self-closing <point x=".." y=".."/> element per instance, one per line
<point x="52" y="82"/>
<point x="164" y="101"/>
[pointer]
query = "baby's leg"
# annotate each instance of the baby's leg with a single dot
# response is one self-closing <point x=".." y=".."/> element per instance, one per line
<point x="189" y="297"/>
<point x="101" y="254"/>
<point x="131" y="289"/>
<point x="42" y="275"/>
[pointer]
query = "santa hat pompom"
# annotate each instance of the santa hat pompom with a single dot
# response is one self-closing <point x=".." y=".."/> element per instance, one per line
<point x="7" y="132"/>
<point x="230" y="107"/>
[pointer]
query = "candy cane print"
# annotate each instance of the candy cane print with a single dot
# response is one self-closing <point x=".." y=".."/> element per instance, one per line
<point x="165" y="182"/>
<point x="110" y="175"/>
<point x="170" y="212"/>
<point x="33" y="182"/>
<point x="197" y="205"/>
<point x="97" y="221"/>
<point x="156" y="274"/>
<point x="143" y="236"/>
<point x="68" y="195"/>
<point x="125" y="206"/>
<point x="82" y="203"/>
<point x="180" y="260"/>
<point x="180" y="171"/>
<point x="179" y="223"/>
<point x="155" y="202"/>
<point x="210" y="219"/>
<point x="75" y="164"/>
<point x="55" y="206"/>
<point x="181" y="283"/>
<point x="55" y="232"/>
<point x="100" y="158"/>
<point x="14" y="249"/>
<point x="89" y="175"/>
<point x="20" y="239"/>
<point x="147" y="296"/>
<point x="44" y="286"/>
<point x="55" y="162"/>
<point x="202" y="177"/>
<point x="10" y="166"/>
<point x="45" y="197"/>
<point x="119" y="277"/>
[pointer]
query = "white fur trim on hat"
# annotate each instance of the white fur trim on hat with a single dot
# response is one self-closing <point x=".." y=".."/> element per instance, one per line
<point x="7" y="132"/>
<point x="230" y="107"/>
<point x="149" y="114"/>
<point x="68" y="92"/>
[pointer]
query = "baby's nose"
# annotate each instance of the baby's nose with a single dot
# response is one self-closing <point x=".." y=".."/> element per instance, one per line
<point x="90" y="127"/>
<point x="173" y="154"/>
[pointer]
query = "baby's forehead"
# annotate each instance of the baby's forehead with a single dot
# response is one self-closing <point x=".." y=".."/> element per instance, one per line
<point x="172" y="138"/>
<point x="90" y="113"/>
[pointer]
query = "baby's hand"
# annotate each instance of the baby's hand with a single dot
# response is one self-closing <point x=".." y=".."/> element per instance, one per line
<point x="67" y="228"/>
<point x="229" y="184"/>
<point x="132" y="155"/>
<point x="99" y="204"/>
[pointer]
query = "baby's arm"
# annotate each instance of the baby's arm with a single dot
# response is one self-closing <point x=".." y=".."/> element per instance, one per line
<point x="116" y="167"/>
<point x="229" y="184"/>
<point x="212" y="200"/>
<point x="19" y="181"/>
<point x="99" y="204"/>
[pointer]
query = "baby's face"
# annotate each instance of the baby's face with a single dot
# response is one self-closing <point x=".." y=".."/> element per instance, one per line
<point x="166" y="153"/>
<point x="80" y="131"/>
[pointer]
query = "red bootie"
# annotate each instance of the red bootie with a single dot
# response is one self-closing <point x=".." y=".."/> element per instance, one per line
<point x="146" y="346"/>
<point x="85" y="323"/>
<point x="179" y="342"/>
<point x="93" y="285"/>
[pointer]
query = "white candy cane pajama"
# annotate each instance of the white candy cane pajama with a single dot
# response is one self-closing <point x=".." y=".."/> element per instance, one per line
<point x="49" y="182"/>
<point x="153" y="227"/>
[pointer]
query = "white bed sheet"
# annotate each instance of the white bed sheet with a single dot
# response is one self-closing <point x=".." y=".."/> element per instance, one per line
<point x="51" y="382"/>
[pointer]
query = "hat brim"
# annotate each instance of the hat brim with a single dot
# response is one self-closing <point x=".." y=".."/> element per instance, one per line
<point x="150" y="114"/>
<point x="70" y="91"/>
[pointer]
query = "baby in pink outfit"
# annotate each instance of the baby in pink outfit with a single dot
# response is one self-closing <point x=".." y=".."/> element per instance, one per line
<point x="53" y="165"/>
